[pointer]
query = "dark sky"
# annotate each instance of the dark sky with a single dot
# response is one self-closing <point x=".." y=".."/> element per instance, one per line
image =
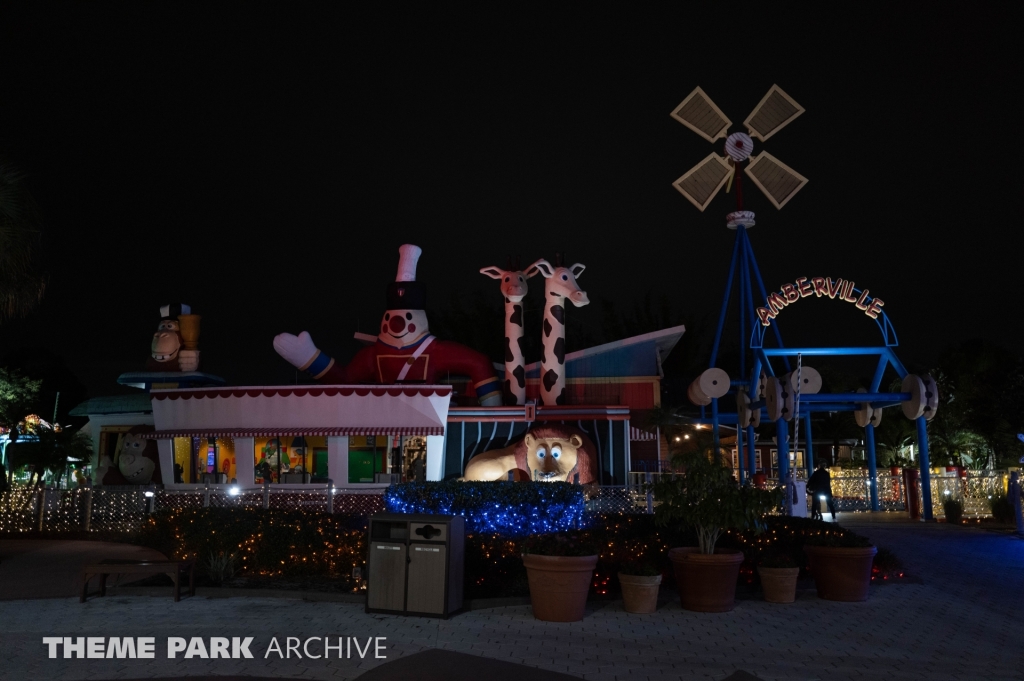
<point x="263" y="163"/>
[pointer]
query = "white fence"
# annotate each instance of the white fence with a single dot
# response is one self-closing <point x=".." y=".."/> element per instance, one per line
<point x="124" y="510"/>
<point x="852" y="492"/>
<point x="107" y="510"/>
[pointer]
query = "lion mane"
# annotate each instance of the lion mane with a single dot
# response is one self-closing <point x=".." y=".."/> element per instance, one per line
<point x="585" y="453"/>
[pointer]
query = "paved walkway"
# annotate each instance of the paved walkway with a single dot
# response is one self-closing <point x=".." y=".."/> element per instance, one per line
<point x="965" y="620"/>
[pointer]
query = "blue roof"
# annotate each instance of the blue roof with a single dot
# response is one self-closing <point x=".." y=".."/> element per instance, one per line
<point x="635" y="356"/>
<point x="138" y="403"/>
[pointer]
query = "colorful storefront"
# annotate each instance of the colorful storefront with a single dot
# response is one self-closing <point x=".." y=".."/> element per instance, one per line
<point x="301" y="435"/>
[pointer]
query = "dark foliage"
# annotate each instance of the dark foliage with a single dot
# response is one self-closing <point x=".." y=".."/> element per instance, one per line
<point x="264" y="542"/>
<point x="886" y="566"/>
<point x="1002" y="508"/>
<point x="954" y="510"/>
<point x="777" y="558"/>
<point x="561" y="544"/>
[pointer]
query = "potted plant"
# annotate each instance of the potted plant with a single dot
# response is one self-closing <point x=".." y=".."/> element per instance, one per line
<point x="559" y="568"/>
<point x="954" y="510"/>
<point x="841" y="565"/>
<point x="640" y="581"/>
<point x="778" y="571"/>
<point x="707" y="498"/>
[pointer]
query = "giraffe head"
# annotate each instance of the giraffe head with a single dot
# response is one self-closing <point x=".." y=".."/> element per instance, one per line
<point x="513" y="281"/>
<point x="561" y="281"/>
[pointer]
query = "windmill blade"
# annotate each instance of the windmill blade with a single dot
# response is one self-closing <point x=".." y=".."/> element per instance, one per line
<point x="775" y="111"/>
<point x="778" y="181"/>
<point x="702" y="182"/>
<point x="699" y="113"/>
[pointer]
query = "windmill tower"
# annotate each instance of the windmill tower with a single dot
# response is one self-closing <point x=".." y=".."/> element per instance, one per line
<point x="700" y="184"/>
<point x="771" y="386"/>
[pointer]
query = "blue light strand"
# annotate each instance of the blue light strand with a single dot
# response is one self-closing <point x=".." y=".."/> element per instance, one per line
<point x="549" y="508"/>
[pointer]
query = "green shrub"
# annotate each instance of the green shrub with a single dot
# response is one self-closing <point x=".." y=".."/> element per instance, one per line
<point x="561" y="544"/>
<point x="640" y="568"/>
<point x="777" y="558"/>
<point x="886" y="565"/>
<point x="708" y="499"/>
<point x="840" y="540"/>
<point x="1002" y="508"/>
<point x="954" y="510"/>
<point x="220" y="567"/>
<point x="264" y="542"/>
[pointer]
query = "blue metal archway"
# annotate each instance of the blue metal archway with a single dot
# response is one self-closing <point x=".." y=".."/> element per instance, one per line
<point x="745" y="274"/>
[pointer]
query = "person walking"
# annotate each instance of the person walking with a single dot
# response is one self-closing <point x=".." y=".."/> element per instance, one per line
<point x="820" y="487"/>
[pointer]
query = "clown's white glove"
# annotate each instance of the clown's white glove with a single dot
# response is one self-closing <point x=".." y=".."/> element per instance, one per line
<point x="298" y="350"/>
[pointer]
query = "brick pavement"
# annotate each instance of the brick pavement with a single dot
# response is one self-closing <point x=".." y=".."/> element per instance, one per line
<point x="964" y="621"/>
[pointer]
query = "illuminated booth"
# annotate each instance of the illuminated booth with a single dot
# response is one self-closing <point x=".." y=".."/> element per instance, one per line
<point x="296" y="435"/>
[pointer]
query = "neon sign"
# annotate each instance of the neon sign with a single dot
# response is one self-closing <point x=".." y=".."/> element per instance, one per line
<point x="818" y="287"/>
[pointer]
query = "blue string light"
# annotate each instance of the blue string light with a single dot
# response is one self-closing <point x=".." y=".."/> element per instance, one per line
<point x="508" y="509"/>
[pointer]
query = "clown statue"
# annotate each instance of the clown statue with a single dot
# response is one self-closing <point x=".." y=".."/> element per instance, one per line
<point x="404" y="352"/>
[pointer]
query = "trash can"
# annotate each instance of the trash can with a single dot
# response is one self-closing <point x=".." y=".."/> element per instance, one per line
<point x="415" y="564"/>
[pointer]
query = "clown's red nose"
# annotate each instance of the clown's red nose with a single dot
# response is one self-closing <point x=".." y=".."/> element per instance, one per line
<point x="397" y="324"/>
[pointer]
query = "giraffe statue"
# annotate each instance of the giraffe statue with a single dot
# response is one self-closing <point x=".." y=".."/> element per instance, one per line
<point x="514" y="289"/>
<point x="559" y="284"/>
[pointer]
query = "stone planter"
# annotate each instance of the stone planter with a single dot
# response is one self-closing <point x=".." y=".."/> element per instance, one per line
<point x="707" y="583"/>
<point x="841" y="574"/>
<point x="559" y="585"/>
<point x="640" y="592"/>
<point x="779" y="584"/>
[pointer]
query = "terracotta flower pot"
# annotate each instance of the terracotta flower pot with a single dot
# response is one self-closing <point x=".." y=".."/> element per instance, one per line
<point x="779" y="584"/>
<point x="559" y="585"/>
<point x="841" y="574"/>
<point x="707" y="583"/>
<point x="640" y="592"/>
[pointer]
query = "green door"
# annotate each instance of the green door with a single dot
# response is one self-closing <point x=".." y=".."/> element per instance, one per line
<point x="319" y="462"/>
<point x="360" y="465"/>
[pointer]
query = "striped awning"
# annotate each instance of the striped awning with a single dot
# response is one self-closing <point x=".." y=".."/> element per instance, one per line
<point x="304" y="432"/>
<point x="293" y="411"/>
<point x="637" y="435"/>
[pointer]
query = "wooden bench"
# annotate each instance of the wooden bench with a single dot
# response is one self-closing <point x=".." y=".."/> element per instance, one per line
<point x="173" y="568"/>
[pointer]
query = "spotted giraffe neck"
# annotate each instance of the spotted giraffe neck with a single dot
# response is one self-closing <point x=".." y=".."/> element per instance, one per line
<point x="552" y="366"/>
<point x="515" y="358"/>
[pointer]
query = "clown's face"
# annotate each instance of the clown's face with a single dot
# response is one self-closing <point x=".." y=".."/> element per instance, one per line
<point x="401" y="328"/>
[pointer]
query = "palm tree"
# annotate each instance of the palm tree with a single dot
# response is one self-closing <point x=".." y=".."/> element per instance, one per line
<point x="22" y="279"/>
<point x="53" y="450"/>
<point x="892" y="437"/>
<point x="835" y="426"/>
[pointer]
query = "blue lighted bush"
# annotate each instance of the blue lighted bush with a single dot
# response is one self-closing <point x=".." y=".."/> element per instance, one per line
<point x="511" y="509"/>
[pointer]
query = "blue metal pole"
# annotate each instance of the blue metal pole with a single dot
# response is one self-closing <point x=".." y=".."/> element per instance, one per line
<point x="725" y="301"/>
<point x="764" y="294"/>
<point x="782" y="431"/>
<point x="869" y="442"/>
<point x="740" y="473"/>
<point x="752" y="450"/>
<point x="714" y="428"/>
<point x="744" y="341"/>
<point x="810" y="444"/>
<point x="926" y="474"/>
<point x="876" y="382"/>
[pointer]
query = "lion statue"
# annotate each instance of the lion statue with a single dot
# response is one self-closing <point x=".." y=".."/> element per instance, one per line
<point x="554" y="453"/>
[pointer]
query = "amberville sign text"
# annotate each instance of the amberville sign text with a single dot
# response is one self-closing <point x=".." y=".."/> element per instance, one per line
<point x="818" y="286"/>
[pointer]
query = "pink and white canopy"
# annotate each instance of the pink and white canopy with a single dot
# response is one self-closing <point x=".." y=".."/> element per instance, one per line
<point x="301" y="410"/>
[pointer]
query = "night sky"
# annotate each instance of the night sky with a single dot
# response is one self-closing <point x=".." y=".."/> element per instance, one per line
<point x="263" y="164"/>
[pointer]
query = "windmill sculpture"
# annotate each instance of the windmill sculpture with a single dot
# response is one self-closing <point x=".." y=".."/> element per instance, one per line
<point x="701" y="183"/>
<point x="768" y="388"/>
